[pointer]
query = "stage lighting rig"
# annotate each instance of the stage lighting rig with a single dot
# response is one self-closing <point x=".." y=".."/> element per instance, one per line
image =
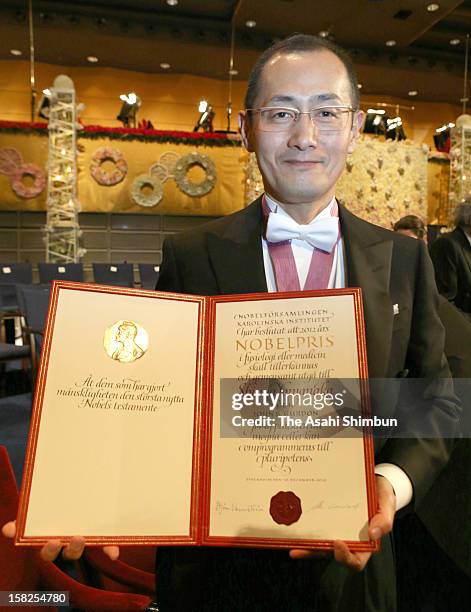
<point x="441" y="138"/>
<point x="206" y="117"/>
<point x="127" y="114"/>
<point x="375" y="122"/>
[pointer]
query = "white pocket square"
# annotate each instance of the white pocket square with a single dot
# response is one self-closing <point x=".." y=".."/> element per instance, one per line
<point x="395" y="309"/>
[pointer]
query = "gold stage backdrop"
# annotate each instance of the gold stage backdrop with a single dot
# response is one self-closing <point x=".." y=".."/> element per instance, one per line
<point x="169" y="173"/>
<point x="134" y="176"/>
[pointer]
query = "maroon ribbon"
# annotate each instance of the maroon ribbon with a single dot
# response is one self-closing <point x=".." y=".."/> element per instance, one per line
<point x="284" y="265"/>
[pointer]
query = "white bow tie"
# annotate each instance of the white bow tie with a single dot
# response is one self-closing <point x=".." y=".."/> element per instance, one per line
<point x="321" y="233"/>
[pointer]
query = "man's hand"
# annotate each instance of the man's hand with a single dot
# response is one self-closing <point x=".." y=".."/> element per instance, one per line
<point x="71" y="551"/>
<point x="380" y="524"/>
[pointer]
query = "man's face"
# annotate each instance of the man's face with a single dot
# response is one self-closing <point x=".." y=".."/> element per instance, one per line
<point x="302" y="165"/>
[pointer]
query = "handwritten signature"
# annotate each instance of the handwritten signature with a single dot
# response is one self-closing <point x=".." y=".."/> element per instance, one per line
<point x="232" y="507"/>
<point x="322" y="505"/>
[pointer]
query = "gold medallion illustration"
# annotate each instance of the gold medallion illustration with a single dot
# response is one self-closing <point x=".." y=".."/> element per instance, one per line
<point x="125" y="341"/>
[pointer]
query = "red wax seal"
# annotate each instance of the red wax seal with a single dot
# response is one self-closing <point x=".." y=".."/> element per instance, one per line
<point x="285" y="508"/>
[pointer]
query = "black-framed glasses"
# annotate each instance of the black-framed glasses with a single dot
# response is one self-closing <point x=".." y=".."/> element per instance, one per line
<point x="279" y="119"/>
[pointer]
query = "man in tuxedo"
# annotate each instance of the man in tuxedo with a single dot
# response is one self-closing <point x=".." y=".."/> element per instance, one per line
<point x="451" y="256"/>
<point x="440" y="576"/>
<point x="302" y="119"/>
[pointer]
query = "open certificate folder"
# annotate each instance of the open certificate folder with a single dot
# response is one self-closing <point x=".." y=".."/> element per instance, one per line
<point x="161" y="418"/>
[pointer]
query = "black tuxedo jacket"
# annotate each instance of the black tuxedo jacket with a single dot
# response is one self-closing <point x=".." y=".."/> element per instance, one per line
<point x="451" y="256"/>
<point x="225" y="257"/>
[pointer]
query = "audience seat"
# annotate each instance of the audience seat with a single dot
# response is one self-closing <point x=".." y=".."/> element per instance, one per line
<point x="33" y="302"/>
<point x="51" y="271"/>
<point x="10" y="275"/>
<point x="149" y="274"/>
<point x="9" y="351"/>
<point x="121" y="275"/>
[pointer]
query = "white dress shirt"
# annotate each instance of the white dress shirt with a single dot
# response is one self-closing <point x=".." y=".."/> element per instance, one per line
<point x="302" y="252"/>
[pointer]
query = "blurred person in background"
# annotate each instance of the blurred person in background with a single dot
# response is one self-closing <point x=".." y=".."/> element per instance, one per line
<point x="412" y="226"/>
<point x="451" y="256"/>
<point x="440" y="576"/>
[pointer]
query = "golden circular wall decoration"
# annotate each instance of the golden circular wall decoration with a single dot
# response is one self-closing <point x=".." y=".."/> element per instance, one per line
<point x="169" y="160"/>
<point x="23" y="190"/>
<point x="112" y="177"/>
<point x="151" y="199"/>
<point x="189" y="187"/>
<point x="159" y="172"/>
<point x="10" y="160"/>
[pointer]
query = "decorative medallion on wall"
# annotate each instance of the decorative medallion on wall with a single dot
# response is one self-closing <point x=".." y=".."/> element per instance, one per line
<point x="172" y="166"/>
<point x="154" y="187"/>
<point x="11" y="164"/>
<point x="104" y="177"/>
<point x="10" y="159"/>
<point x="159" y="172"/>
<point x="24" y="190"/>
<point x="169" y="161"/>
<point x="189" y="187"/>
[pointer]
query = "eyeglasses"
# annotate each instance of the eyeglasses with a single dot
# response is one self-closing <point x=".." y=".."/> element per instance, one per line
<point x="280" y="119"/>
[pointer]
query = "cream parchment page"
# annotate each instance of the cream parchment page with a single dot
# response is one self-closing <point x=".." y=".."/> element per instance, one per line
<point x="114" y="450"/>
<point x="256" y="338"/>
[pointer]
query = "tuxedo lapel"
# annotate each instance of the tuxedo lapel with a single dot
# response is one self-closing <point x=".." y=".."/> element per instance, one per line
<point x="465" y="246"/>
<point x="237" y="260"/>
<point x="236" y="254"/>
<point x="368" y="263"/>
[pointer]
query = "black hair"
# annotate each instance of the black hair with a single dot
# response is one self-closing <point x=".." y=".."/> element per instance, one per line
<point x="413" y="224"/>
<point x="302" y="43"/>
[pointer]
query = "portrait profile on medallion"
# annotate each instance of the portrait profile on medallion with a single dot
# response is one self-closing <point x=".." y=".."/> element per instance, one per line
<point x="125" y="341"/>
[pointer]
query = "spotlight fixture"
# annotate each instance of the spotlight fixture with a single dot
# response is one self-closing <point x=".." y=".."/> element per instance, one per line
<point x="375" y="122"/>
<point x="431" y="8"/>
<point x="390" y="43"/>
<point x="92" y="59"/>
<point x="129" y="108"/>
<point x="441" y="138"/>
<point x="206" y="117"/>
<point x="447" y="126"/>
<point x="394" y="130"/>
<point x="44" y="104"/>
<point x="455" y="41"/>
<point x="324" y="33"/>
<point x="359" y="85"/>
<point x="16" y="52"/>
<point x="164" y="66"/>
<point x="172" y="2"/>
<point x="412" y="92"/>
<point x="250" y="23"/>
